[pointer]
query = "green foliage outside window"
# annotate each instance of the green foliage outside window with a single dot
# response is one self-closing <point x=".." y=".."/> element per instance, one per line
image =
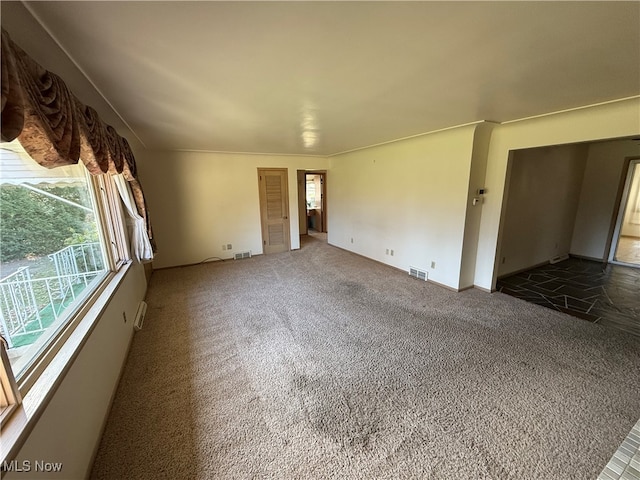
<point x="33" y="224"/>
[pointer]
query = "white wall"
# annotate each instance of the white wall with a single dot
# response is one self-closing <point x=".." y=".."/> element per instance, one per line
<point x="598" y="199"/>
<point x="200" y="201"/>
<point x="540" y="211"/>
<point x="613" y="120"/>
<point x="481" y="140"/>
<point x="408" y="196"/>
<point x="70" y="428"/>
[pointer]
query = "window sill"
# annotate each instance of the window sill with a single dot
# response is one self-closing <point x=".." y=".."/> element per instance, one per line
<point x="19" y="425"/>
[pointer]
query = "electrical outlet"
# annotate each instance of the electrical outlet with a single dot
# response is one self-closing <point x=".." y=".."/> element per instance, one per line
<point x="229" y="246"/>
<point x="433" y="264"/>
<point x="386" y="252"/>
<point x="351" y="239"/>
<point x="224" y="247"/>
<point x="391" y="252"/>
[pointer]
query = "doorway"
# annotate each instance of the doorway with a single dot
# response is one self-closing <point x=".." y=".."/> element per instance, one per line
<point x="274" y="210"/>
<point x="312" y="203"/>
<point x="625" y="246"/>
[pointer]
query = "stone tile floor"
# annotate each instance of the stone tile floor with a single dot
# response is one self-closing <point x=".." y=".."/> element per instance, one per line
<point x="625" y="463"/>
<point x="601" y="293"/>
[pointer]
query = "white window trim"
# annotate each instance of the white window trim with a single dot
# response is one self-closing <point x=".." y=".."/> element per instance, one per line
<point x="10" y="397"/>
<point x="27" y="398"/>
<point x="109" y="219"/>
<point x="109" y="209"/>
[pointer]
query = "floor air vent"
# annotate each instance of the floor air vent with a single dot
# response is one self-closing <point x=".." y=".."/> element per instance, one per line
<point x="241" y="255"/>
<point x="417" y="273"/>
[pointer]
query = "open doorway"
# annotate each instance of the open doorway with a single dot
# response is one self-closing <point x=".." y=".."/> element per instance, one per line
<point x="625" y="246"/>
<point x="312" y="203"/>
<point x="556" y="231"/>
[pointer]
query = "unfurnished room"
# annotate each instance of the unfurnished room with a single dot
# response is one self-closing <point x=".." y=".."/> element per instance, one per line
<point x="324" y="239"/>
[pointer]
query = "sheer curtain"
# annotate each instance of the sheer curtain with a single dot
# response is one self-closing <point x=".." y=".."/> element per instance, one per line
<point x="141" y="248"/>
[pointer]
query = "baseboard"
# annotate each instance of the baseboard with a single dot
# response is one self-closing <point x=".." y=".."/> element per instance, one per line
<point x="520" y="270"/>
<point x="470" y="287"/>
<point x="485" y="290"/>
<point x="452" y="289"/>
<point x="571" y="255"/>
<point x="585" y="257"/>
<point x="208" y="260"/>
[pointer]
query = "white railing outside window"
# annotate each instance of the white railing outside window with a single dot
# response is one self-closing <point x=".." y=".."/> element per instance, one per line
<point x="71" y="260"/>
<point x="18" y="305"/>
<point x="28" y="306"/>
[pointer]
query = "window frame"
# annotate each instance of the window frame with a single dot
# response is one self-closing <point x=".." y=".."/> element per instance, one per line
<point x="10" y="397"/>
<point x="112" y="220"/>
<point x="23" y="399"/>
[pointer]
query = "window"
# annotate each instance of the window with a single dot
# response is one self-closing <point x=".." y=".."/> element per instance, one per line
<point x="62" y="236"/>
<point x="311" y="193"/>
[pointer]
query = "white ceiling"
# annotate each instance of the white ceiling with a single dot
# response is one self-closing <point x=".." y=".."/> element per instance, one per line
<point x="327" y="77"/>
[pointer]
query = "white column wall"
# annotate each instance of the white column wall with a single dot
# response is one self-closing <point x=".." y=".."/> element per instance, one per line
<point x="612" y="120"/>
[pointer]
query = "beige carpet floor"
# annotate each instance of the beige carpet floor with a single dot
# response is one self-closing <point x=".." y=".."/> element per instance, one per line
<point x="320" y="364"/>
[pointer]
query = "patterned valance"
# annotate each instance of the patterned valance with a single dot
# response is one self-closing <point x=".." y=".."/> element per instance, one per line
<point x="55" y="128"/>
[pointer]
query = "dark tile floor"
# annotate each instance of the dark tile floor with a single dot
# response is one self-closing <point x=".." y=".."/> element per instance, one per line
<point x="601" y="293"/>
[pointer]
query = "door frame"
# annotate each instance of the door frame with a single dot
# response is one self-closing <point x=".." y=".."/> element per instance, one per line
<point x="303" y="212"/>
<point x="621" y="202"/>
<point x="303" y="227"/>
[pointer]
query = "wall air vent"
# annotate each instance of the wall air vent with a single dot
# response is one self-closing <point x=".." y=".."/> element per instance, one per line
<point x="241" y="255"/>
<point x="558" y="259"/>
<point x="417" y="273"/>
<point x="142" y="311"/>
